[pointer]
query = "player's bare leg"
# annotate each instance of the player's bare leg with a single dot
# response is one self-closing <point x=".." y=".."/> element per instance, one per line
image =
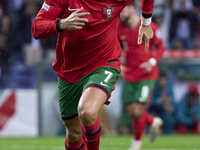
<point x="73" y="134"/>
<point x="135" y="111"/>
<point x="140" y="118"/>
<point x="89" y="105"/>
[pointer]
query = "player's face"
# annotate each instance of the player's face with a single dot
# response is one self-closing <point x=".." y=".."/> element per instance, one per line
<point x="126" y="13"/>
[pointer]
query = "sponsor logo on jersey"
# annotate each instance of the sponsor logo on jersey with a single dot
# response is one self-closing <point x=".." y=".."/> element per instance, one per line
<point x="45" y="6"/>
<point x="108" y="11"/>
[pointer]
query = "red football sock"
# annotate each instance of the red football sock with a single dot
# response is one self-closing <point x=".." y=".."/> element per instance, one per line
<point x="78" y="145"/>
<point x="195" y="129"/>
<point x="181" y="129"/>
<point x="148" y="118"/>
<point x="138" y="127"/>
<point x="91" y="135"/>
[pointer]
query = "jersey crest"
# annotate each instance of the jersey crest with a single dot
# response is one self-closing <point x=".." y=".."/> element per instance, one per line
<point x="108" y="11"/>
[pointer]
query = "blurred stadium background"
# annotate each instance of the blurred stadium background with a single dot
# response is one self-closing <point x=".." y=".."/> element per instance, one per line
<point x="28" y="84"/>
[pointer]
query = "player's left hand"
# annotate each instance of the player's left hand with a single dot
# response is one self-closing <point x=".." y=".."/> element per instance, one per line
<point x="146" y="66"/>
<point x="145" y="33"/>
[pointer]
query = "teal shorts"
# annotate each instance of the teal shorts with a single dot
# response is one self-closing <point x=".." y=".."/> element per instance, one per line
<point x="69" y="94"/>
<point x="137" y="91"/>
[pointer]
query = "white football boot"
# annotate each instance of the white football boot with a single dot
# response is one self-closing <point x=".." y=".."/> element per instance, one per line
<point x="136" y="145"/>
<point x="155" y="128"/>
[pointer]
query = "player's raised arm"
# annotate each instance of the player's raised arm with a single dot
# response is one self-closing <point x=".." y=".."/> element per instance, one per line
<point x="158" y="44"/>
<point x="145" y="31"/>
<point x="48" y="24"/>
<point x="160" y="48"/>
<point x="45" y="24"/>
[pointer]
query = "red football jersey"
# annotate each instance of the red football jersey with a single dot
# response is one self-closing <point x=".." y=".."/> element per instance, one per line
<point x="135" y="54"/>
<point x="79" y="52"/>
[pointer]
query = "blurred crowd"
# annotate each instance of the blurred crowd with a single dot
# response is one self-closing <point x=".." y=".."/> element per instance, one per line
<point x="181" y="116"/>
<point x="179" y="23"/>
<point x="20" y="53"/>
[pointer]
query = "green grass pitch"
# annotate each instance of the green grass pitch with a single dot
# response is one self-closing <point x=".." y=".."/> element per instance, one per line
<point x="171" y="142"/>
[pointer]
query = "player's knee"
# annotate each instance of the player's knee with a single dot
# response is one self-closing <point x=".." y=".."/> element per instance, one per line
<point x="135" y="110"/>
<point x="135" y="114"/>
<point x="73" y="136"/>
<point x="87" y="114"/>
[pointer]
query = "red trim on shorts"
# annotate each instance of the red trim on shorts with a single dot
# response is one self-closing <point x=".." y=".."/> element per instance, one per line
<point x="69" y="118"/>
<point x="113" y="85"/>
<point x="102" y="89"/>
<point x="98" y="88"/>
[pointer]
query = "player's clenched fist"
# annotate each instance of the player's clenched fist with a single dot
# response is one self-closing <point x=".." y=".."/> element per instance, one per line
<point x="75" y="20"/>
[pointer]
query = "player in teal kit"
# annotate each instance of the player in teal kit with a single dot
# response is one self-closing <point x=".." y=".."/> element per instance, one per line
<point x="87" y="60"/>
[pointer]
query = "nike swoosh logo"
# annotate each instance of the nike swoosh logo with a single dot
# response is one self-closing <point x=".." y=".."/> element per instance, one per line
<point x="72" y="9"/>
<point x="104" y="84"/>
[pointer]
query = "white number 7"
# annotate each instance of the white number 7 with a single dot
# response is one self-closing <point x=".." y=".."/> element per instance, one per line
<point x="110" y="74"/>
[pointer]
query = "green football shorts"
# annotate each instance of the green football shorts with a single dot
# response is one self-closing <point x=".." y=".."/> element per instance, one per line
<point x="69" y="94"/>
<point x="137" y="91"/>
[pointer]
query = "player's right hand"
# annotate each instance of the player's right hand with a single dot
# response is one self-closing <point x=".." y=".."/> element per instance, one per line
<point x="146" y="66"/>
<point x="146" y="34"/>
<point x="75" y="20"/>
